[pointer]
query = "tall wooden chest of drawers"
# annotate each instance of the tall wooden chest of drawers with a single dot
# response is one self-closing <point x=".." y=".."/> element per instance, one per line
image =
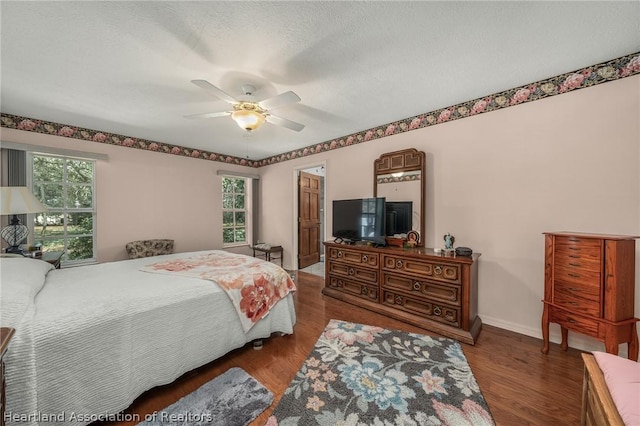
<point x="423" y="288"/>
<point x="589" y="288"/>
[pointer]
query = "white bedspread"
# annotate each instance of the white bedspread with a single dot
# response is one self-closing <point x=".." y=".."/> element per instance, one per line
<point x="96" y="337"/>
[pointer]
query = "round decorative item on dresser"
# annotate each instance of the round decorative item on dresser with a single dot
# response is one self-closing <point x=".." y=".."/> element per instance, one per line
<point x="463" y="251"/>
<point x="413" y="236"/>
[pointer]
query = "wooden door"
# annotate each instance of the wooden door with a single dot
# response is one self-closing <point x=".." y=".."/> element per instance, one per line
<point x="308" y="219"/>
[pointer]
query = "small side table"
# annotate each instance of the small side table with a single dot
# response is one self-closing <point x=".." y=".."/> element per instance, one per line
<point x="53" y="257"/>
<point x="268" y="251"/>
<point x="5" y="336"/>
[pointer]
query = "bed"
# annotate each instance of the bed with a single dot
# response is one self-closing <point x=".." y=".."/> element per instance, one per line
<point x="610" y="390"/>
<point x="90" y="339"/>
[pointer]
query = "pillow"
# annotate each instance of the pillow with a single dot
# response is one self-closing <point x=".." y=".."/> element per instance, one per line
<point x="21" y="280"/>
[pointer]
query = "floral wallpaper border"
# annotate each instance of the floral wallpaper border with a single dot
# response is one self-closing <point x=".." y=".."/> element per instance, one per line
<point x="614" y="69"/>
<point x="395" y="179"/>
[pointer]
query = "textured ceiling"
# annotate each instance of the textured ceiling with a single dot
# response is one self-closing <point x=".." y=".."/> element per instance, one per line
<point x="125" y="67"/>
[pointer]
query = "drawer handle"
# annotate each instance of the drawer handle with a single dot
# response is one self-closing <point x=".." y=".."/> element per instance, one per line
<point x="351" y="271"/>
<point x="572" y="321"/>
<point x="364" y="290"/>
<point x="574" y="248"/>
<point x="399" y="300"/>
<point x="574" y="289"/>
<point x="365" y="258"/>
<point x="417" y="286"/>
<point x="574" y="275"/>
<point x="573" y="256"/>
<point x="339" y="253"/>
<point x="339" y="283"/>
<point x="399" y="263"/>
<point x="438" y="270"/>
<point x="574" y="264"/>
<point x="437" y="310"/>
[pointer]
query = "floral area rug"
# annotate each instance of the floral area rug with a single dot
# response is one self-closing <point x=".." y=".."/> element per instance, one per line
<point x="365" y="375"/>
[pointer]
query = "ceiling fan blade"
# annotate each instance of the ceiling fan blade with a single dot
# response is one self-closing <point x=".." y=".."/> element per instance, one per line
<point x="280" y="100"/>
<point x="204" y="84"/>
<point x="208" y="115"/>
<point x="284" y="123"/>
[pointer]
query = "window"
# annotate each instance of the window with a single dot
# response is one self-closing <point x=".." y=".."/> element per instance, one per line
<point x="235" y="212"/>
<point x="66" y="186"/>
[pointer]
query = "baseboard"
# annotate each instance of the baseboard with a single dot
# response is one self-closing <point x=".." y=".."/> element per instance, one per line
<point x="576" y="340"/>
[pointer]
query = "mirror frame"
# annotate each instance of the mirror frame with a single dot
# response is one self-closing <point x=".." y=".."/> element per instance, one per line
<point x="406" y="160"/>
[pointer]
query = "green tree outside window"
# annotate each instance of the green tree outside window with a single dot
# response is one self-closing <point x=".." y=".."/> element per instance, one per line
<point x="234" y="210"/>
<point x="66" y="187"/>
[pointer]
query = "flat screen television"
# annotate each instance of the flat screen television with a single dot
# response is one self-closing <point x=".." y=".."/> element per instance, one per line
<point x="398" y="217"/>
<point x="360" y="219"/>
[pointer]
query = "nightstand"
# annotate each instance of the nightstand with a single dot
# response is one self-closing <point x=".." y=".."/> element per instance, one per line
<point x="5" y="336"/>
<point x="53" y="257"/>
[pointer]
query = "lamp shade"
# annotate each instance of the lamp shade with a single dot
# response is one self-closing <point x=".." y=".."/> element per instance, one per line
<point x="247" y="119"/>
<point x="19" y="200"/>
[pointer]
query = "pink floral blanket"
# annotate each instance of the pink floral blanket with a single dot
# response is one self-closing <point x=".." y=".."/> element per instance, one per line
<point x="253" y="285"/>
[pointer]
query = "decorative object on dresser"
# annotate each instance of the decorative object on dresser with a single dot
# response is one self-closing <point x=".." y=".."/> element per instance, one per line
<point x="5" y="337"/>
<point x="448" y="241"/>
<point x="589" y="288"/>
<point x="400" y="178"/>
<point x="434" y="291"/>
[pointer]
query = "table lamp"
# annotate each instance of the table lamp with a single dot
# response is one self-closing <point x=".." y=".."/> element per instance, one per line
<point x="15" y="200"/>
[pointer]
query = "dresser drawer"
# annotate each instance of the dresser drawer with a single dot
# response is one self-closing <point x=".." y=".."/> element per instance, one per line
<point x="355" y="288"/>
<point x="575" y="243"/>
<point x="446" y="293"/>
<point x="579" y="248"/>
<point x="354" y="256"/>
<point x="435" y="270"/>
<point x="574" y="322"/>
<point x="347" y="270"/>
<point x="425" y="308"/>
<point x="577" y="297"/>
<point x="573" y="255"/>
<point x="578" y="276"/>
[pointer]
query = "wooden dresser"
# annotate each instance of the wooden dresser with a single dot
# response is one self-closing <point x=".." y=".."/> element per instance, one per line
<point x="5" y="337"/>
<point x="589" y="288"/>
<point x="430" y="290"/>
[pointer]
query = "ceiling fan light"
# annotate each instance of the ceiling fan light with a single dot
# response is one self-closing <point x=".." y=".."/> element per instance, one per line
<point x="248" y="120"/>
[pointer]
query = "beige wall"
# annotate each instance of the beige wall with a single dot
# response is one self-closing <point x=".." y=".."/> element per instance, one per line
<point x="143" y="194"/>
<point x="496" y="181"/>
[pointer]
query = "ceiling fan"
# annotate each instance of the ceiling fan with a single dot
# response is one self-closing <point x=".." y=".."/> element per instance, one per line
<point x="247" y="113"/>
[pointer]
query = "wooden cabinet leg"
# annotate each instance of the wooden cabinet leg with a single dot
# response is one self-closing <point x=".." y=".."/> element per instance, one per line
<point x="565" y="338"/>
<point x="545" y="330"/>
<point x="632" y="349"/>
<point x="611" y="343"/>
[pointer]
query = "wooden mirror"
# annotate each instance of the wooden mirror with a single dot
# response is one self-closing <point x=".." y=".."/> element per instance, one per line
<point x="400" y="177"/>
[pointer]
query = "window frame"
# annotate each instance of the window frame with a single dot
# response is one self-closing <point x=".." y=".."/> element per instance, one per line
<point x="247" y="210"/>
<point x="65" y="210"/>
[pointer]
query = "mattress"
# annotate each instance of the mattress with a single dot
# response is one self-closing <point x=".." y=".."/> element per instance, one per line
<point x="90" y="339"/>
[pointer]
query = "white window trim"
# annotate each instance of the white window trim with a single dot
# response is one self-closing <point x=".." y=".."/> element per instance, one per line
<point x="94" y="210"/>
<point x="248" y="210"/>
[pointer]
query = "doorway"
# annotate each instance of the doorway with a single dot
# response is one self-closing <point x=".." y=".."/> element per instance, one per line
<point x="310" y="222"/>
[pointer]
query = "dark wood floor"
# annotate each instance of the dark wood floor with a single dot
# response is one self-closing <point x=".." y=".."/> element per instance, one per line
<point x="521" y="385"/>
